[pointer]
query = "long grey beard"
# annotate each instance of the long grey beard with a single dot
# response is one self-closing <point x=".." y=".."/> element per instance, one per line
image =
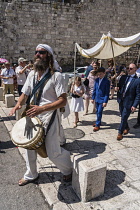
<point x="40" y="66"/>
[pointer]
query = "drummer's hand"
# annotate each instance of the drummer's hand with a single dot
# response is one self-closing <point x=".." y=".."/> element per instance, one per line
<point x="34" y="111"/>
<point x="14" y="110"/>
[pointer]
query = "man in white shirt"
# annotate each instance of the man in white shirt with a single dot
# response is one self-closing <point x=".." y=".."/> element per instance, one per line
<point x="21" y="73"/>
<point x="128" y="97"/>
<point x="7" y="75"/>
<point x="52" y="98"/>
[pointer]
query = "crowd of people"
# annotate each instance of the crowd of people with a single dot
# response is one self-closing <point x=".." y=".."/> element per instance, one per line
<point x="41" y="84"/>
<point x="100" y="85"/>
<point x="13" y="77"/>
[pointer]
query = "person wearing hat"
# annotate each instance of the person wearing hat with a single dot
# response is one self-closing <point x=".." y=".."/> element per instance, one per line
<point x="53" y="97"/>
<point x="7" y="75"/>
<point x="21" y="73"/>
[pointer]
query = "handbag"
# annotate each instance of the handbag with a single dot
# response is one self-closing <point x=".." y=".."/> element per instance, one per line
<point x="86" y="82"/>
<point x="75" y="96"/>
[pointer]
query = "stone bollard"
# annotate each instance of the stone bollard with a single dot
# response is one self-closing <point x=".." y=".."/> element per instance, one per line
<point x="9" y="100"/>
<point x="19" y="111"/>
<point x="1" y="93"/>
<point x="89" y="175"/>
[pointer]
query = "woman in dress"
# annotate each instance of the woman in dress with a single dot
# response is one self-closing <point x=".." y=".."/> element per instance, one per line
<point x="77" y="104"/>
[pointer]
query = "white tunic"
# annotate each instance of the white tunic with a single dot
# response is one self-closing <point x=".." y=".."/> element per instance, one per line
<point x="58" y="155"/>
<point x="51" y="91"/>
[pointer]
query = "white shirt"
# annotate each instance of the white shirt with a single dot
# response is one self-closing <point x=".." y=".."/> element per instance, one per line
<point x="100" y="80"/>
<point x="51" y="91"/>
<point x="21" y="78"/>
<point x="8" y="73"/>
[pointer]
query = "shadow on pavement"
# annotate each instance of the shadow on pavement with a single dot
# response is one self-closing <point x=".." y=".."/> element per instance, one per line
<point x="8" y="118"/>
<point x="6" y="145"/>
<point x="67" y="195"/>
<point x="113" y="179"/>
<point x="85" y="123"/>
<point x="65" y="191"/>
<point x="111" y="112"/>
<point x="85" y="146"/>
<point x="49" y="177"/>
<point x="110" y="126"/>
<point x="2" y="151"/>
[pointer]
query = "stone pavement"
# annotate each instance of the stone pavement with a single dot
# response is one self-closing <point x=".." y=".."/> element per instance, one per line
<point x="122" y="189"/>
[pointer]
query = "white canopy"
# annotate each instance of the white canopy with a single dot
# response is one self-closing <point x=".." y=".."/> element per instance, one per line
<point x="109" y="47"/>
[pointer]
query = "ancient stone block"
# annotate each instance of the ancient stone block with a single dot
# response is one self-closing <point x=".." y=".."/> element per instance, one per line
<point x="89" y="175"/>
<point x="1" y="93"/>
<point x="9" y="100"/>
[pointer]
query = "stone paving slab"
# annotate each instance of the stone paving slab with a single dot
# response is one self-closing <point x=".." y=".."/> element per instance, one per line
<point x="122" y="189"/>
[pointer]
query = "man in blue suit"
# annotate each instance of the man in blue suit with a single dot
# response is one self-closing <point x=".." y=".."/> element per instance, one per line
<point x="100" y="95"/>
<point x="128" y="97"/>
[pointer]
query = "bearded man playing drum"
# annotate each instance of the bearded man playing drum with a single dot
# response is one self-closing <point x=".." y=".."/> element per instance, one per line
<point x="53" y="97"/>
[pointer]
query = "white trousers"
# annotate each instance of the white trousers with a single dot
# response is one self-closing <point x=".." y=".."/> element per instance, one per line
<point x="58" y="155"/>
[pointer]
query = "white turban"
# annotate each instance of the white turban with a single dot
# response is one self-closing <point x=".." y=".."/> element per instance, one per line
<point x="49" y="49"/>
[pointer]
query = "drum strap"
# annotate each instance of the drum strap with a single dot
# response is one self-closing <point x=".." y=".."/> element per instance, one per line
<point x="40" y="85"/>
<point x="51" y="121"/>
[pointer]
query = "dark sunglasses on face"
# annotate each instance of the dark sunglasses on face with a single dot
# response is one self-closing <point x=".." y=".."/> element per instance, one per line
<point x="130" y="68"/>
<point x="40" y="52"/>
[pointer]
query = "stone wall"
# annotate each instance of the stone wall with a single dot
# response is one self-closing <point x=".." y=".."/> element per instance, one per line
<point x="26" y="23"/>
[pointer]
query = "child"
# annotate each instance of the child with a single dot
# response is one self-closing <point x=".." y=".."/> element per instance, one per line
<point x="77" y="104"/>
<point x="100" y="95"/>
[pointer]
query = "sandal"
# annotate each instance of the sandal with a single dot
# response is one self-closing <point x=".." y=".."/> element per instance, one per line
<point x="85" y="114"/>
<point x="67" y="178"/>
<point x="75" y="125"/>
<point x="23" y="182"/>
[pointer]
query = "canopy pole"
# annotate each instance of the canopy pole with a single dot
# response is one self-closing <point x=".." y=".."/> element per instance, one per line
<point x="100" y="63"/>
<point x="114" y="62"/>
<point x="138" y="57"/>
<point x="74" y="60"/>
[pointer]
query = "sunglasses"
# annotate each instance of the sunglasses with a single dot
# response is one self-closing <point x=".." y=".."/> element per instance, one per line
<point x="40" y="52"/>
<point x="130" y="68"/>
